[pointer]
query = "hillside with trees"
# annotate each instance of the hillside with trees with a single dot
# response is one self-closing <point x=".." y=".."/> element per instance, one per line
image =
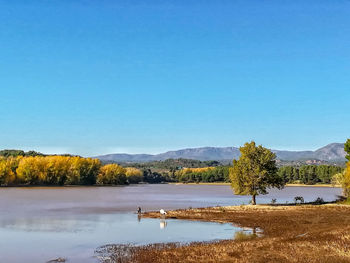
<point x="331" y="153"/>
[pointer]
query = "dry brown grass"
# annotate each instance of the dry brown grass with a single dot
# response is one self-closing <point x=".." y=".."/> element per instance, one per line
<point x="305" y="233"/>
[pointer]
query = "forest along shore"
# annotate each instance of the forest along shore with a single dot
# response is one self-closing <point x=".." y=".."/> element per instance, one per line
<point x="303" y="233"/>
<point x="289" y="185"/>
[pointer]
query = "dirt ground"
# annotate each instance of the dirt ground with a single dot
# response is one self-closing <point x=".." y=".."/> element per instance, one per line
<point x="304" y="233"/>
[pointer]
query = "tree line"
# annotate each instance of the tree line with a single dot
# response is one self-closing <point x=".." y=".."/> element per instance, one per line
<point x="64" y="170"/>
<point x="205" y="174"/>
<point x="31" y="168"/>
<point x="16" y="153"/>
<point x="309" y="174"/>
<point x="174" y="164"/>
<point x="306" y="174"/>
<point x="74" y="170"/>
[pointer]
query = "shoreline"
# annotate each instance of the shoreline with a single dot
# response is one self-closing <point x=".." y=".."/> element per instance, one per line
<point x="209" y="184"/>
<point x="299" y="233"/>
<point x="287" y="185"/>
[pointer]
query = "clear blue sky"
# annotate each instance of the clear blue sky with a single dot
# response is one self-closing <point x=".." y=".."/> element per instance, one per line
<point x="92" y="77"/>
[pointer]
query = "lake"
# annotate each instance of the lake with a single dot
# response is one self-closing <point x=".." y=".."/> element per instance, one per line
<point x="43" y="223"/>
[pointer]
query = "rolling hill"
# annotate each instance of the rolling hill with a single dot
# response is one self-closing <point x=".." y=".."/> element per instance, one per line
<point x="330" y="152"/>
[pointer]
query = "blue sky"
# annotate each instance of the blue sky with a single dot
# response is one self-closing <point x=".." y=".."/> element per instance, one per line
<point x="94" y="77"/>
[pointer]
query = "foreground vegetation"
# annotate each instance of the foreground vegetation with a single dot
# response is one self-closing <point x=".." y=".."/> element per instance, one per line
<point x="304" y="233"/>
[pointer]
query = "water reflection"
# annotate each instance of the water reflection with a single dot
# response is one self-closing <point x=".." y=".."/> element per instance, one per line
<point x="162" y="223"/>
<point x="76" y="238"/>
<point x="47" y="224"/>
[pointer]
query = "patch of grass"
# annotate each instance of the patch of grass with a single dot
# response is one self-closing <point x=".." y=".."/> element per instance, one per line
<point x="345" y="202"/>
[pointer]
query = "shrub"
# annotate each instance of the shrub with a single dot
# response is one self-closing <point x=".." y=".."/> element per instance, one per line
<point x="299" y="199"/>
<point x="319" y="201"/>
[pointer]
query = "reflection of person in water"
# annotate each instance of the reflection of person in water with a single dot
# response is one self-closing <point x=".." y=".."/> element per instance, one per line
<point x="139" y="211"/>
<point x="162" y="224"/>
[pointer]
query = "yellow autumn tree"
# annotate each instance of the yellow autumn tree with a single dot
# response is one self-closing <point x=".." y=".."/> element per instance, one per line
<point x="8" y="175"/>
<point x="112" y="174"/>
<point x="63" y="170"/>
<point x="58" y="169"/>
<point x="192" y="174"/>
<point x="133" y="175"/>
<point x="193" y="170"/>
<point x="83" y="171"/>
<point x="32" y="169"/>
<point x="346" y="181"/>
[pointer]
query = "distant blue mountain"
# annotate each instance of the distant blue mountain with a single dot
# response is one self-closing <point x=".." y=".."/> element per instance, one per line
<point x="331" y="152"/>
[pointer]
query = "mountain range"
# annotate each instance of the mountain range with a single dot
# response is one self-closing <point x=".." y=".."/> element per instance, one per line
<point x="331" y="152"/>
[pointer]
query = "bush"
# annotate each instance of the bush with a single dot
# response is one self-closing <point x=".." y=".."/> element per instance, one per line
<point x="152" y="177"/>
<point x="299" y="199"/>
<point x="319" y="201"/>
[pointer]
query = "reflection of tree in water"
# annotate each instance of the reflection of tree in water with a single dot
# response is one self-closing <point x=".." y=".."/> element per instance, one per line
<point x="47" y="224"/>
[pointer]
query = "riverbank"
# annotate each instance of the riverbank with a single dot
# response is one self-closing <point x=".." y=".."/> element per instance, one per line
<point x="305" y="233"/>
<point x="110" y="185"/>
<point x="289" y="185"/>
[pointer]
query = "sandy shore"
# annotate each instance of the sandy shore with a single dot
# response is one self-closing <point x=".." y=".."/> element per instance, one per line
<point x="305" y="233"/>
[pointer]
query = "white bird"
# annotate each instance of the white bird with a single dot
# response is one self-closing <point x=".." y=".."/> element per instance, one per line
<point x="162" y="212"/>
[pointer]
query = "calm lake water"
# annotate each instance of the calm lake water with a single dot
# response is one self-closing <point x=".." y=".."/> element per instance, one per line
<point x="41" y="224"/>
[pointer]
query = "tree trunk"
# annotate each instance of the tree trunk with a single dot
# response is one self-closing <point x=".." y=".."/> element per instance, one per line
<point x="253" y="200"/>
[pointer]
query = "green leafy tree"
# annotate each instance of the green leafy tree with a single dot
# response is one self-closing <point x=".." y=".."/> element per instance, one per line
<point x="347" y="149"/>
<point x="255" y="171"/>
<point x="13" y="153"/>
